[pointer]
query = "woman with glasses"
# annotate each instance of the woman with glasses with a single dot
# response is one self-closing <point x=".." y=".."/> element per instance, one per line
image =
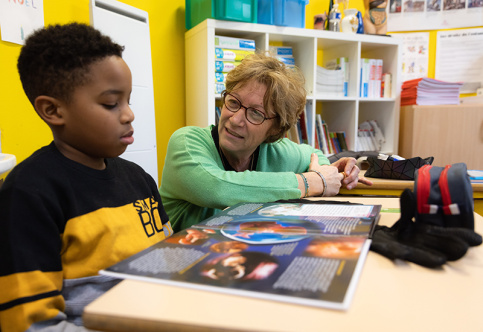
<point x="245" y="158"/>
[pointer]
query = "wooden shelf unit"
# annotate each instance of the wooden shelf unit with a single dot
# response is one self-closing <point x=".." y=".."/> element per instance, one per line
<point x="310" y="48"/>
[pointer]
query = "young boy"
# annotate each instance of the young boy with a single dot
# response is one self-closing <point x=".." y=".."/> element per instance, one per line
<point x="73" y="207"/>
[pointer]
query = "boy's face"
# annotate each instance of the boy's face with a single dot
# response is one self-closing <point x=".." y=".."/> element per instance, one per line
<point x="97" y="120"/>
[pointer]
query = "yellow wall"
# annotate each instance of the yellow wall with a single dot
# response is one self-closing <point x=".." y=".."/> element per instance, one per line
<point x="22" y="131"/>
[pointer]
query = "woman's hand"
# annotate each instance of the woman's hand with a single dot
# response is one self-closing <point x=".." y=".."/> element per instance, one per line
<point x="350" y="172"/>
<point x="331" y="174"/>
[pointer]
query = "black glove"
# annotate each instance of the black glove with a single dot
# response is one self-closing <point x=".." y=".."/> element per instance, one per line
<point x="420" y="243"/>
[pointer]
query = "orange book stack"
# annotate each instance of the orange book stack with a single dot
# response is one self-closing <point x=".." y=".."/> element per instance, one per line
<point x="428" y="91"/>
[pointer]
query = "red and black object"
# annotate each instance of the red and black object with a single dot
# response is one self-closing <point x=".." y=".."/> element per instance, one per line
<point x="421" y="243"/>
<point x="444" y="196"/>
<point x="437" y="219"/>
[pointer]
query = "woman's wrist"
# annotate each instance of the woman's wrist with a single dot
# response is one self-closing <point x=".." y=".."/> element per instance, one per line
<point x="324" y="182"/>
<point x="306" y="185"/>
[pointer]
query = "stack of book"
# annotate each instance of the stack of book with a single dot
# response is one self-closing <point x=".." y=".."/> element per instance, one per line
<point x="371" y="79"/>
<point x="333" y="79"/>
<point x="369" y="137"/>
<point x="428" y="91"/>
<point x="229" y="52"/>
<point x="284" y="54"/>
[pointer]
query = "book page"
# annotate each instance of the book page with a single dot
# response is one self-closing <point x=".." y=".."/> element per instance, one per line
<point x="276" y="222"/>
<point x="271" y="251"/>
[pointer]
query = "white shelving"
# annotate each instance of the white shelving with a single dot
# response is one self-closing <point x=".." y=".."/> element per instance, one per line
<point x="310" y="48"/>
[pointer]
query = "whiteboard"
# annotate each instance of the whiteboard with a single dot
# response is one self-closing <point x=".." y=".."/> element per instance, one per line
<point x="129" y="27"/>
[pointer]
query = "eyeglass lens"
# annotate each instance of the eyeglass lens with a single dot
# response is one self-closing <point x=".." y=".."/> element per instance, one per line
<point x="252" y="114"/>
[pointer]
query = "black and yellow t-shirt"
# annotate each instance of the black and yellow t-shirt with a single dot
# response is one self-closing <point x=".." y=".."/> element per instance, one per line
<point x="60" y="223"/>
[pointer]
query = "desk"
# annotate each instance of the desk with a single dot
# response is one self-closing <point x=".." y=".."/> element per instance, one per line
<point x="387" y="187"/>
<point x="390" y="296"/>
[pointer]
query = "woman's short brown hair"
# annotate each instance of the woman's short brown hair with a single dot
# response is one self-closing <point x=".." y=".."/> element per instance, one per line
<point x="285" y="95"/>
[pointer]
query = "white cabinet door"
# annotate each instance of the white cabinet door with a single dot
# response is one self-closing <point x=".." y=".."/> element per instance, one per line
<point x="129" y="26"/>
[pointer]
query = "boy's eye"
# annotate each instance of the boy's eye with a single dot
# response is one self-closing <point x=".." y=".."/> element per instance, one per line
<point x="109" y="106"/>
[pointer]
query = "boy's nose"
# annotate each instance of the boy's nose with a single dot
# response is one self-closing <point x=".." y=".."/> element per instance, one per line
<point x="127" y="115"/>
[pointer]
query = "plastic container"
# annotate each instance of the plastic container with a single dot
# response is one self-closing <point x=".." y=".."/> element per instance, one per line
<point x="231" y="10"/>
<point x="334" y="18"/>
<point x="289" y="13"/>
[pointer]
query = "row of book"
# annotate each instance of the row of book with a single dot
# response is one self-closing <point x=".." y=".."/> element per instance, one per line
<point x="299" y="133"/>
<point x="229" y="52"/>
<point x="333" y="79"/>
<point x="373" y="82"/>
<point x="428" y="91"/>
<point x="329" y="142"/>
<point x="369" y="137"/>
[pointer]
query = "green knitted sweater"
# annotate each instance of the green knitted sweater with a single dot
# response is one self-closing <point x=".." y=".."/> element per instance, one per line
<point x="195" y="185"/>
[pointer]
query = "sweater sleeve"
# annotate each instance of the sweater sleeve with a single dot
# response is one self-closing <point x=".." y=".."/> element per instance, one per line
<point x="194" y="172"/>
<point x="31" y="271"/>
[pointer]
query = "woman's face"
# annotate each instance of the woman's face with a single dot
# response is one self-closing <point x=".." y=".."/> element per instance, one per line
<point x="238" y="137"/>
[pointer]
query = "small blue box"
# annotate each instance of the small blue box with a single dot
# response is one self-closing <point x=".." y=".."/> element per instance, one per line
<point x="290" y="13"/>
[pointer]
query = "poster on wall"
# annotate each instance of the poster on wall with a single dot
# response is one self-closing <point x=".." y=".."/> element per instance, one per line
<point x="459" y="55"/>
<point x="18" y="18"/>
<point x="413" y="15"/>
<point x="414" y="55"/>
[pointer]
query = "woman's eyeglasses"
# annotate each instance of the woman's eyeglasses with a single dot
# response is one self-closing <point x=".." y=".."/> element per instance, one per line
<point x="253" y="115"/>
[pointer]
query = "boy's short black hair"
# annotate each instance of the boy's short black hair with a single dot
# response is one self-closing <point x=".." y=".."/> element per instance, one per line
<point x="55" y="59"/>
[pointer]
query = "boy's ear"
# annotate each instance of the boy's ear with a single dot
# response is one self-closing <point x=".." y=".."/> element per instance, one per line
<point x="48" y="109"/>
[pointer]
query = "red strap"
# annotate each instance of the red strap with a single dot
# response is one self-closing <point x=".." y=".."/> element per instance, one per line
<point x="444" y="188"/>
<point x="424" y="186"/>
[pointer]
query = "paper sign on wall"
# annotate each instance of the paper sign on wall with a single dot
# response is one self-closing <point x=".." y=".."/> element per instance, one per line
<point x="18" y="18"/>
<point x="415" y="57"/>
<point x="459" y="54"/>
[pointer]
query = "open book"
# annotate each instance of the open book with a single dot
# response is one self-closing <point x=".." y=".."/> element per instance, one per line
<point x="310" y="254"/>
